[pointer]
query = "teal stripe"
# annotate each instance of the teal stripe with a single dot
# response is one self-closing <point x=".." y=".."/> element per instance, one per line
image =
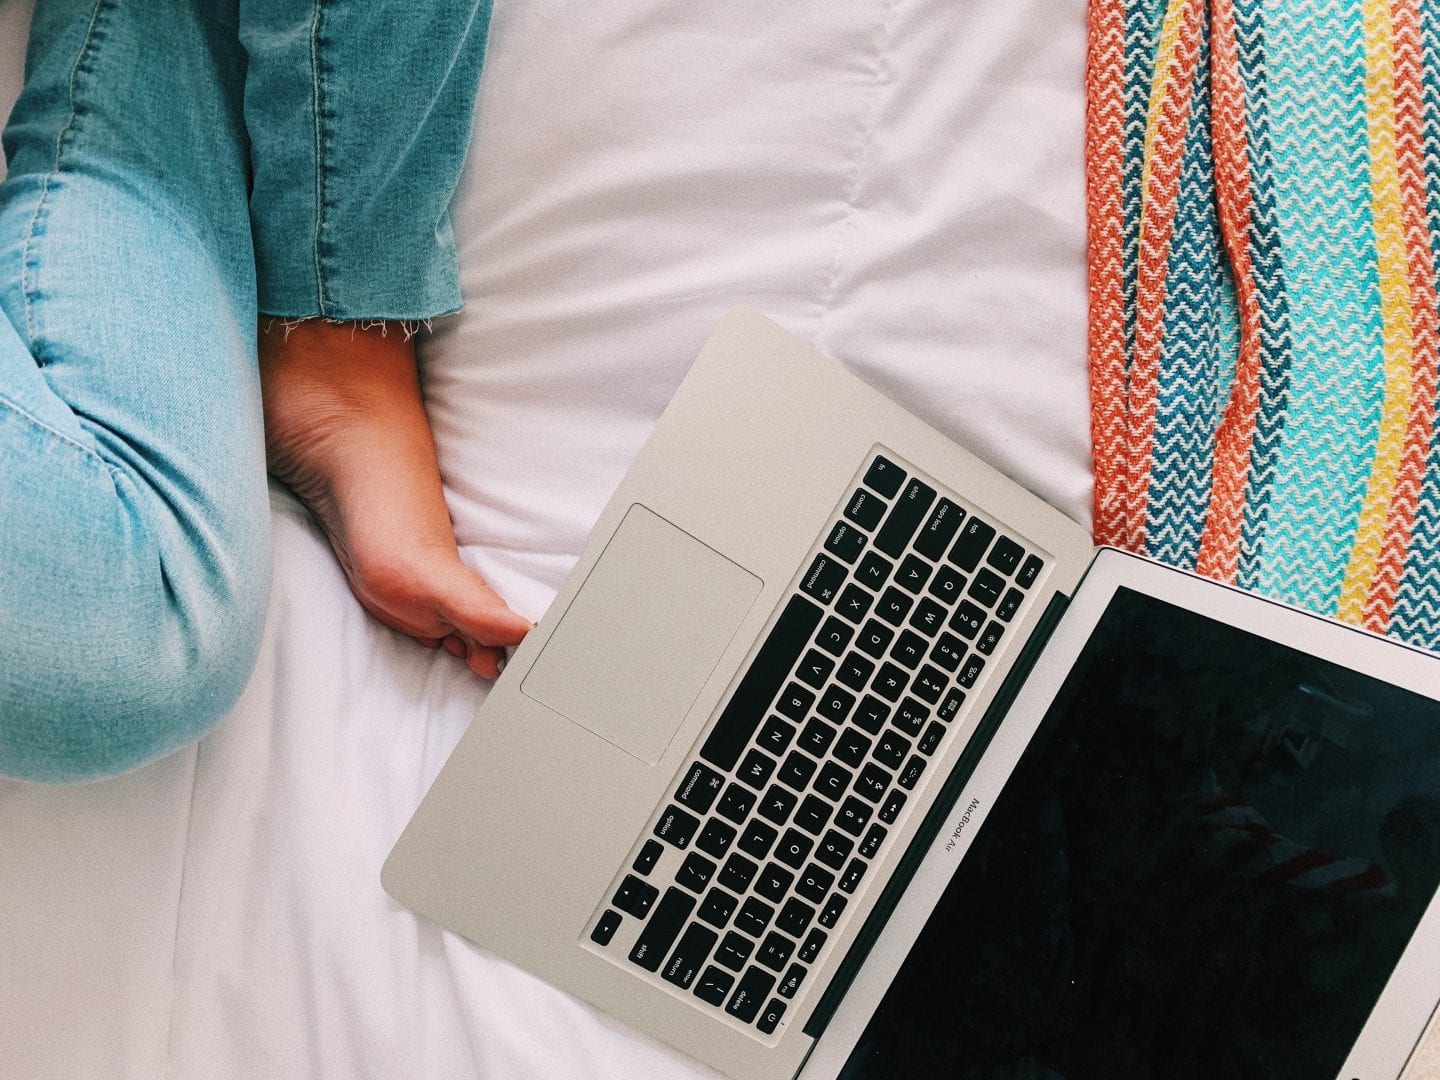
<point x="1322" y="201"/>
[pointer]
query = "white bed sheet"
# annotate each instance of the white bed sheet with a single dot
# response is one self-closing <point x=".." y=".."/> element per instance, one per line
<point x="899" y="181"/>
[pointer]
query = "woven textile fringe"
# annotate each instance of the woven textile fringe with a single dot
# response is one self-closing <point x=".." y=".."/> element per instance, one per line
<point x="1263" y="181"/>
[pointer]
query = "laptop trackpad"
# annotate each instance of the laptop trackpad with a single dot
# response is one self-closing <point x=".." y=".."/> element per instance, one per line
<point x="642" y="635"/>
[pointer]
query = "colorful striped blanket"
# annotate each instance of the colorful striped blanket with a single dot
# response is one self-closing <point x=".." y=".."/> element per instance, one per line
<point x="1264" y="221"/>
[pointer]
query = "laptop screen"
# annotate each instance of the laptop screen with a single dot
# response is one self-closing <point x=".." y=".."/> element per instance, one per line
<point x="1206" y="863"/>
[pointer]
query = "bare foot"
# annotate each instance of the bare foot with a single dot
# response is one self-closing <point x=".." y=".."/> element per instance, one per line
<point x="346" y="429"/>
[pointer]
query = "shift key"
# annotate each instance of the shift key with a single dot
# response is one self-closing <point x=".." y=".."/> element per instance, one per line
<point x="664" y="927"/>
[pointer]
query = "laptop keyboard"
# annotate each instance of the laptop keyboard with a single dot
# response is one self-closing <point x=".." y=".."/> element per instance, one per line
<point x="773" y="827"/>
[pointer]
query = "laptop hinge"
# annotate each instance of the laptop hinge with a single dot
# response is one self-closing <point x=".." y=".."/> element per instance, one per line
<point x="935" y="820"/>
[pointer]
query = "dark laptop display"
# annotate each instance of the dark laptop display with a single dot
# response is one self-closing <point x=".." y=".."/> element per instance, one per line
<point x="1207" y="863"/>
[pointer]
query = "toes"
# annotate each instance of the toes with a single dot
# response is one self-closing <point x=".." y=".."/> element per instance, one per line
<point x="486" y="661"/>
<point x="478" y="612"/>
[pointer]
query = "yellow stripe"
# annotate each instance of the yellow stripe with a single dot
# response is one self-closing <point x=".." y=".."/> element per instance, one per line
<point x="1164" y="65"/>
<point x="1397" y="343"/>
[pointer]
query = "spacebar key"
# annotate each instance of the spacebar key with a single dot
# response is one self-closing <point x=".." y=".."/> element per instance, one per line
<point x="662" y="929"/>
<point x="761" y="683"/>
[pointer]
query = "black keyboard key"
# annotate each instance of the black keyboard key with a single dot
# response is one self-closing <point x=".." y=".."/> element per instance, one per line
<point x="891" y="748"/>
<point x="871" y="714"/>
<point x="929" y="617"/>
<point x="834" y="908"/>
<point x="756" y="769"/>
<point x="884" y="476"/>
<point x="605" y="928"/>
<point x="931" y="741"/>
<point x="865" y="509"/>
<point x="948" y="652"/>
<point x="835" y="704"/>
<point x="833" y="780"/>
<point x="971" y="671"/>
<point x="854" y="815"/>
<point x="734" y="951"/>
<point x="676" y="827"/>
<point x="845" y="541"/>
<point x="890" y="682"/>
<point x="910" y="717"/>
<point x="894" y="606"/>
<point x="872" y="783"/>
<point x="834" y="849"/>
<point x="776" y="805"/>
<point x="762" y="681"/>
<point x="757" y="839"/>
<point x="737" y="873"/>
<point x="813" y="814"/>
<point x="910" y="775"/>
<point x="834" y="636"/>
<point x="851" y="748"/>
<point x="854" y="603"/>
<point x="713" y="986"/>
<point x="815" y="669"/>
<point x="855" y="673"/>
<point x="773" y="883"/>
<point x="695" y="872"/>
<point x="875" y="638"/>
<point x="950" y="707"/>
<point x="790" y="984"/>
<point x="685" y="962"/>
<point x="813" y="944"/>
<point x="914" y="573"/>
<point x="795" y="702"/>
<point x="736" y="803"/>
<point x="817" y="737"/>
<point x="699" y="788"/>
<point x="870" y="846"/>
<point x="947" y="585"/>
<point x="909" y="649"/>
<point x="850" y="880"/>
<point x="662" y="929"/>
<point x="905" y="518"/>
<point x="823" y="580"/>
<point x="794" y="917"/>
<point x="967" y="620"/>
<point x="929" y="684"/>
<point x="754" y="916"/>
<point x="794" y="846"/>
<point x="814" y="883"/>
<point x="986" y="587"/>
<point x="775" y="736"/>
<point x="990" y="638"/>
<point x="1005" y="555"/>
<point x="715" y="838"/>
<point x="755" y="986"/>
<point x="1028" y="572"/>
<point x="770" y="1017"/>
<point x="717" y="907"/>
<point x="894" y="803"/>
<point x="775" y="951"/>
<point x="874" y="572"/>
<point x="797" y="770"/>
<point x="648" y="857"/>
<point x="975" y="537"/>
<point x="1009" y="604"/>
<point x="939" y="530"/>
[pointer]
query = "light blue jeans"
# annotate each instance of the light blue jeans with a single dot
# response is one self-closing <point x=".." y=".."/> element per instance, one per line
<point x="176" y="168"/>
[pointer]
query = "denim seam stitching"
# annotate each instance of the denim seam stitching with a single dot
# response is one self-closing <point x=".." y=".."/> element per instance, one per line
<point x="45" y="429"/>
<point x="29" y="287"/>
<point x="318" y="100"/>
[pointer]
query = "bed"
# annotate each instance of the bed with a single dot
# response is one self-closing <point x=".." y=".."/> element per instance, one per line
<point x="898" y="181"/>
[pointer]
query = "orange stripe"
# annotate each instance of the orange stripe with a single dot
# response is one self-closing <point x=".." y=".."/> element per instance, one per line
<point x="1105" y="217"/>
<point x="1165" y="152"/>
<point x="1425" y="323"/>
<point x="1220" y="540"/>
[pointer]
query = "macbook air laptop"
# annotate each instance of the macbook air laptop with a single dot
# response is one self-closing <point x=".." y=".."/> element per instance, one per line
<point x="841" y="754"/>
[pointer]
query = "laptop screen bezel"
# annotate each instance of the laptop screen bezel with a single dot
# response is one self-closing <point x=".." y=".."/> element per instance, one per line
<point x="1405" y="1005"/>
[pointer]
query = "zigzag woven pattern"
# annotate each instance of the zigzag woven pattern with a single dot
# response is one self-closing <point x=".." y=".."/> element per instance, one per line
<point x="1263" y="179"/>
